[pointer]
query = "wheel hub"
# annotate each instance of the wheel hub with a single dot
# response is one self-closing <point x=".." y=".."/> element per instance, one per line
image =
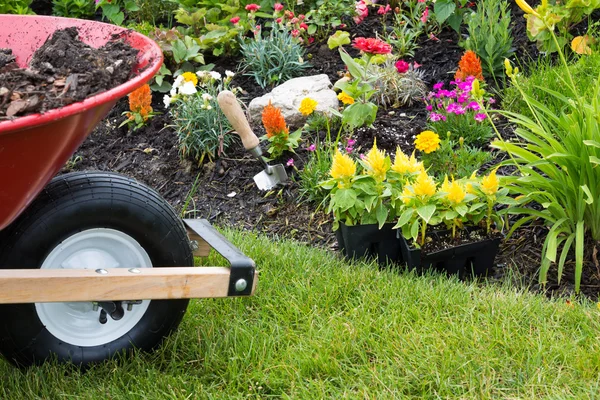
<point x="88" y="323"/>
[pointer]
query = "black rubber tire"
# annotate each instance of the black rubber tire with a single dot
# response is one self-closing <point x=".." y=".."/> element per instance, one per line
<point x="72" y="203"/>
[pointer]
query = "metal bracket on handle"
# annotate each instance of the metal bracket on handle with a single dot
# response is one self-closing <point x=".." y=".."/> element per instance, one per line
<point x="242" y="268"/>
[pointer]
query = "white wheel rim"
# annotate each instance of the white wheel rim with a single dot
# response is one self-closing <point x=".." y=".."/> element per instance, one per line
<point x="77" y="323"/>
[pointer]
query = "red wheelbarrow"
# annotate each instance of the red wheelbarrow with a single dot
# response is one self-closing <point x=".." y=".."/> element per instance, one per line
<point x="92" y="264"/>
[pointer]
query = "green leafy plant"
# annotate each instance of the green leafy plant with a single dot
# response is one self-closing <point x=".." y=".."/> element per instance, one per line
<point x="154" y="11"/>
<point x="115" y="10"/>
<point x="324" y="16"/>
<point x="16" y="7"/>
<point x="490" y="36"/>
<point x="273" y="59"/>
<point x="557" y="158"/>
<point x="73" y="8"/>
<point x="404" y="36"/>
<point x="201" y="126"/>
<point x="452" y="12"/>
<point x="454" y="158"/>
<point x="552" y="17"/>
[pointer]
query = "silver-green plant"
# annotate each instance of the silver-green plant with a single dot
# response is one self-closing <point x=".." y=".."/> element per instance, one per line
<point x="201" y="127"/>
<point x="396" y="89"/>
<point x="558" y="178"/>
<point x="273" y="59"/>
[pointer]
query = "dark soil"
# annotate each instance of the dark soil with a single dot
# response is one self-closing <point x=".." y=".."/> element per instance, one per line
<point x="224" y="192"/>
<point x="63" y="71"/>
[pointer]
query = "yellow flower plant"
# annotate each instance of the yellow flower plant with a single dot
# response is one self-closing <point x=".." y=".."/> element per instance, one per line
<point x="345" y="98"/>
<point x="307" y="106"/>
<point x="427" y="142"/>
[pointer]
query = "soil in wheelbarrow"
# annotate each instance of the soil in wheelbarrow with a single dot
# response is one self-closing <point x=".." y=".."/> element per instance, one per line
<point x="63" y="71"/>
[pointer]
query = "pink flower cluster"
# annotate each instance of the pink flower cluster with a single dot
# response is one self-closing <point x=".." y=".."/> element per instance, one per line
<point x="297" y="25"/>
<point x="442" y="103"/>
<point x="402" y="66"/>
<point x="362" y="11"/>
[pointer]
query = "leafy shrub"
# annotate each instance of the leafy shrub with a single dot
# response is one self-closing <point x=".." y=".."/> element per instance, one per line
<point x="326" y="15"/>
<point x="490" y="36"/>
<point x="452" y="12"/>
<point x="73" y="8"/>
<point x="201" y="126"/>
<point x="115" y="11"/>
<point x="273" y="59"/>
<point x="544" y="74"/>
<point x="15" y="7"/>
<point x="154" y="11"/>
<point x="454" y="158"/>
<point x="557" y="158"/>
<point x="315" y="171"/>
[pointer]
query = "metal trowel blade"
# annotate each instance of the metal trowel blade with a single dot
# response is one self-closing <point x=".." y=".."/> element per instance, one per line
<point x="270" y="177"/>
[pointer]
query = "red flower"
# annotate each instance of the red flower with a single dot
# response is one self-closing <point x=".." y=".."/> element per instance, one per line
<point x="252" y="7"/>
<point x="234" y="20"/>
<point x="278" y="20"/>
<point x="303" y="26"/>
<point x="402" y="66"/>
<point x="278" y="7"/>
<point x="372" y="45"/>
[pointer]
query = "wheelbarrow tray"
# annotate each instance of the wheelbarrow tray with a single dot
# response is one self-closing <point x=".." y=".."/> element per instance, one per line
<point x="34" y="148"/>
<point x="112" y="284"/>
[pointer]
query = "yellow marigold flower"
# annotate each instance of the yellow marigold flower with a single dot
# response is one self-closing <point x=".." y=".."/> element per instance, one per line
<point x="345" y="98"/>
<point x="490" y="183"/>
<point x="403" y="164"/>
<point x="456" y="193"/>
<point x="190" y="77"/>
<point x="424" y="186"/>
<point x="427" y="141"/>
<point x="376" y="163"/>
<point x="307" y="106"/>
<point x="342" y="167"/>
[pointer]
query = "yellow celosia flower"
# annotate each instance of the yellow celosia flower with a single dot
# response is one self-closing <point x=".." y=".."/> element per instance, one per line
<point x="427" y="141"/>
<point x="307" y="106"/>
<point x="343" y="166"/>
<point x="456" y="193"/>
<point x="407" y="194"/>
<point x="345" y="98"/>
<point x="446" y="185"/>
<point x="424" y="186"/>
<point x="403" y="164"/>
<point x="490" y="183"/>
<point x="376" y="163"/>
<point x="190" y="77"/>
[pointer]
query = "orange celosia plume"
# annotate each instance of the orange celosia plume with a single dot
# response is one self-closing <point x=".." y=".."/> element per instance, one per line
<point x="140" y="100"/>
<point x="469" y="65"/>
<point x="273" y="121"/>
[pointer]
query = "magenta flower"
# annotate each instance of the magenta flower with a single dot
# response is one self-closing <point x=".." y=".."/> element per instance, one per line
<point x="473" y="106"/>
<point x="402" y="66"/>
<point x="351" y="142"/>
<point x="465" y="86"/>
<point x="312" y="147"/>
<point x="438" y="86"/>
<point x="479" y="117"/>
<point x="290" y="162"/>
<point x="434" y="117"/>
<point x="278" y="7"/>
<point x="425" y="15"/>
<point x="234" y="20"/>
<point x="429" y="107"/>
<point x="349" y="149"/>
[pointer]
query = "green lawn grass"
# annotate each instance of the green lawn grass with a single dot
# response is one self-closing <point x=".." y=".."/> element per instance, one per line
<point x="319" y="327"/>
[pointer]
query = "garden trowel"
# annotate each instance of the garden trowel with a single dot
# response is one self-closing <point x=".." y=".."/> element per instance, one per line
<point x="272" y="174"/>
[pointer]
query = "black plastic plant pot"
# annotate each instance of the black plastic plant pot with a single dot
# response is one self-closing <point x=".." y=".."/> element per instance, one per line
<point x="470" y="259"/>
<point x="368" y="241"/>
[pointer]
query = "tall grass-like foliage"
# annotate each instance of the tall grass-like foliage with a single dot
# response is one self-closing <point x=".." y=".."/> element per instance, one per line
<point x="490" y="36"/>
<point x="273" y="59"/>
<point x="558" y="157"/>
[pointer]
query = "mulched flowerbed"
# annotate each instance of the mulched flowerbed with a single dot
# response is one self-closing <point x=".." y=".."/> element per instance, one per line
<point x="225" y="192"/>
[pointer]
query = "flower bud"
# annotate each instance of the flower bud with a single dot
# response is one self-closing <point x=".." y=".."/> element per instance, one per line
<point x="508" y="68"/>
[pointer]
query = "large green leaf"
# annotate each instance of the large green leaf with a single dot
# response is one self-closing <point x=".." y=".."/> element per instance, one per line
<point x="426" y="212"/>
<point x="443" y="9"/>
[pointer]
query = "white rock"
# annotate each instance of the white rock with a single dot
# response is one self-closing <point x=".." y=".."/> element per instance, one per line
<point x="290" y="94"/>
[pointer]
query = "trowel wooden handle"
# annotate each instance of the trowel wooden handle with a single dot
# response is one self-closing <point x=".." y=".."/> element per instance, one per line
<point x="234" y="113"/>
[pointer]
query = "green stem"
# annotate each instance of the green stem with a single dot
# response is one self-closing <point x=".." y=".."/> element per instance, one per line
<point x="423" y="230"/>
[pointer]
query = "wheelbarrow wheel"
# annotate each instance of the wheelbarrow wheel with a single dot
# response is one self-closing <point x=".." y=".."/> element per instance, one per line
<point x="91" y="220"/>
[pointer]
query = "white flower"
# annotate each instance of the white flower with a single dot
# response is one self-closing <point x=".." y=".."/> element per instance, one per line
<point x="187" y="88"/>
<point x="202" y="74"/>
<point x="167" y="100"/>
<point x="178" y="82"/>
<point x="173" y="91"/>
<point x="229" y="74"/>
<point x="206" y="97"/>
<point x="208" y="107"/>
<point x="215" y="75"/>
